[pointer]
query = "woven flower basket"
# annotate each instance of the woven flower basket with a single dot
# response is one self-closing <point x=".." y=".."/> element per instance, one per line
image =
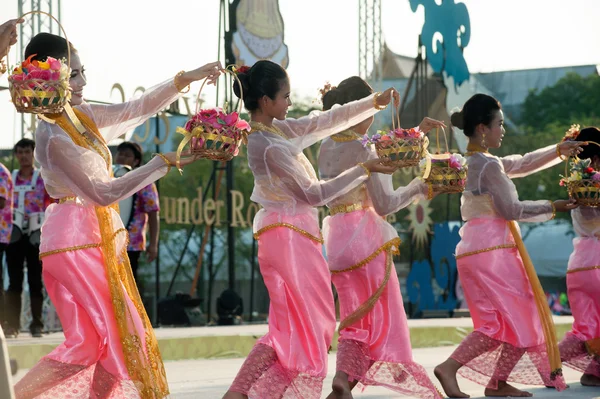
<point x="585" y="191"/>
<point x="441" y="171"/>
<point x="401" y="152"/>
<point x="398" y="151"/>
<point x="214" y="141"/>
<point x="40" y="96"/>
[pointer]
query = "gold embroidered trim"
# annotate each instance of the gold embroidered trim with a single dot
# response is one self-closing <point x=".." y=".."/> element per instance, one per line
<point x="121" y="230"/>
<point x="289" y="226"/>
<point x="68" y="249"/>
<point x="345" y="136"/>
<point x="257" y="126"/>
<point x="583" y="269"/>
<point x="67" y="199"/>
<point x="503" y="246"/>
<point x="395" y="242"/>
<point x="347" y="208"/>
<point x="368" y="305"/>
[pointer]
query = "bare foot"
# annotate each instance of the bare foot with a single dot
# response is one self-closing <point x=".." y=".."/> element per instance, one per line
<point x="446" y="374"/>
<point x="234" y="395"/>
<point x="506" y="390"/>
<point x="341" y="387"/>
<point x="590" y="380"/>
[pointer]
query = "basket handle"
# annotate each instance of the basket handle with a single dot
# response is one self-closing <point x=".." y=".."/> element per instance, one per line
<point x="575" y="156"/>
<point x="225" y="70"/>
<point x="437" y="138"/>
<point x="395" y="115"/>
<point x="59" y="25"/>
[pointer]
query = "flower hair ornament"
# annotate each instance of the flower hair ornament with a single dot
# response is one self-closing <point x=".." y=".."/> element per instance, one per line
<point x="326" y="89"/>
<point x="240" y="69"/>
<point x="572" y="133"/>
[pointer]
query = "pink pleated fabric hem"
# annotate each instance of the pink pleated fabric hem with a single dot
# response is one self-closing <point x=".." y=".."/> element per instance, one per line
<point x="575" y="355"/>
<point x="263" y="376"/>
<point x="486" y="361"/>
<point x="407" y="378"/>
<point x="50" y="379"/>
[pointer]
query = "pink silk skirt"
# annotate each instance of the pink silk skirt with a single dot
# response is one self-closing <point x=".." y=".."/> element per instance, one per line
<point x="375" y="350"/>
<point x="583" y="286"/>
<point x="90" y="362"/>
<point x="290" y="361"/>
<point x="508" y="342"/>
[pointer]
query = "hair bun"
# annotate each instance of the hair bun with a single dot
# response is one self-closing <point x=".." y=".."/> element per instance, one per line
<point x="244" y="79"/>
<point x="458" y="120"/>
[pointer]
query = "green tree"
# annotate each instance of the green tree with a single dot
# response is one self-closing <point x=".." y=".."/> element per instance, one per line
<point x="572" y="98"/>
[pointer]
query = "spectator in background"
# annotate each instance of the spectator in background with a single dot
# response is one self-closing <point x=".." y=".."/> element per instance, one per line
<point x="145" y="212"/>
<point x="30" y="200"/>
<point x="6" y="195"/>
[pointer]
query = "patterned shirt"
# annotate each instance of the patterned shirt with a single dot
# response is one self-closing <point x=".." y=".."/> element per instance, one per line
<point x="36" y="201"/>
<point x="146" y="201"/>
<point x="6" y="192"/>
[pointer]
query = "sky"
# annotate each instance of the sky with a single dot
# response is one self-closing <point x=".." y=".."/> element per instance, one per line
<point x="144" y="42"/>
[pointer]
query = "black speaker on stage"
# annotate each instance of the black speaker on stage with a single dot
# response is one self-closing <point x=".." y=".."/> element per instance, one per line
<point x="180" y="310"/>
<point x="229" y="308"/>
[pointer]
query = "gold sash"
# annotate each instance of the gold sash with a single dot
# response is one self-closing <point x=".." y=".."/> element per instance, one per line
<point x="540" y="302"/>
<point x="144" y="364"/>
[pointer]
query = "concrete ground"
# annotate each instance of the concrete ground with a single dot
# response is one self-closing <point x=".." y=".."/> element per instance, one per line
<point x="210" y="378"/>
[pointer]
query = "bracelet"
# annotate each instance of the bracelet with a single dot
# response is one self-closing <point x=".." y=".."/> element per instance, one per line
<point x="429" y="191"/>
<point x="377" y="106"/>
<point x="166" y="161"/>
<point x="561" y="156"/>
<point x="3" y="67"/>
<point x="176" y="78"/>
<point x="553" y="210"/>
<point x="362" y="165"/>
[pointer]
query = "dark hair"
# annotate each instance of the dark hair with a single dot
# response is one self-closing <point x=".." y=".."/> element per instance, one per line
<point x="478" y="109"/>
<point x="44" y="45"/>
<point x="134" y="147"/>
<point x="264" y="78"/>
<point x="24" y="143"/>
<point x="589" y="134"/>
<point x="351" y="89"/>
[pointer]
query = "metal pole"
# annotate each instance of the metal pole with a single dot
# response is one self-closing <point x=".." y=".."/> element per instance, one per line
<point x="157" y="260"/>
<point x="252" y="274"/>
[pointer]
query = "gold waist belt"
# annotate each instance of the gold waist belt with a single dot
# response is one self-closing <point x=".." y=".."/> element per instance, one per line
<point x="347" y="208"/>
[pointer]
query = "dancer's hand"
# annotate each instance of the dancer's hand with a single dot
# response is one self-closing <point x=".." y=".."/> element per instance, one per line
<point x="8" y="35"/>
<point x="565" y="205"/>
<point x="209" y="71"/>
<point x="571" y="148"/>
<point x="185" y="158"/>
<point x="375" y="166"/>
<point x="386" y="97"/>
<point x="428" y="123"/>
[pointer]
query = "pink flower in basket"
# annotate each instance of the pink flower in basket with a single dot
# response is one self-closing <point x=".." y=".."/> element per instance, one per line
<point x="230" y="119"/>
<point x="54" y="63"/>
<point x="596" y="176"/>
<point x="242" y="125"/>
<point x="43" y="74"/>
<point x="453" y="163"/>
<point x="209" y="117"/>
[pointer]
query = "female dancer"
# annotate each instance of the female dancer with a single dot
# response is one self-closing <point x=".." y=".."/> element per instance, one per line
<point x="291" y="360"/>
<point x="509" y="309"/>
<point x="580" y="349"/>
<point x="374" y="343"/>
<point x="110" y="350"/>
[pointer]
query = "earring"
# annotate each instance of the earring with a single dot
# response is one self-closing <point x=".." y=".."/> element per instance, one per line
<point x="483" y="143"/>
